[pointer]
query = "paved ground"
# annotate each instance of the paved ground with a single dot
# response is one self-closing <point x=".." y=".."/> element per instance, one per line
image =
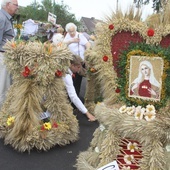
<point x="58" y="158"/>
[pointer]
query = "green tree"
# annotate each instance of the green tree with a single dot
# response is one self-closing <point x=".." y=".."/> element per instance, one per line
<point x="63" y="14"/>
<point x="40" y="12"/>
<point x="33" y="11"/>
<point x="157" y="4"/>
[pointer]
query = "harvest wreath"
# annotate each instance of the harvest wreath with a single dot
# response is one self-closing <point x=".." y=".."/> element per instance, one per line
<point x="134" y="122"/>
<point x="36" y="112"/>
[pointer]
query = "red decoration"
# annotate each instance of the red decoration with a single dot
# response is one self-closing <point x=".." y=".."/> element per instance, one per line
<point x="121" y="41"/>
<point x="165" y="42"/>
<point x="105" y="58"/>
<point x="111" y="26"/>
<point x="117" y="90"/>
<point x="58" y="73"/>
<point x="73" y="75"/>
<point x="55" y="125"/>
<point x="42" y="128"/>
<point x="150" y="32"/>
<point x="137" y="154"/>
<point x="26" y="71"/>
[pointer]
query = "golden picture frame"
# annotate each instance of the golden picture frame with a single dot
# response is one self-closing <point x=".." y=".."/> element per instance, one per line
<point x="145" y="77"/>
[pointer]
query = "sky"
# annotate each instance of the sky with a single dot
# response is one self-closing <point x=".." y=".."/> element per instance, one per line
<point x="93" y="8"/>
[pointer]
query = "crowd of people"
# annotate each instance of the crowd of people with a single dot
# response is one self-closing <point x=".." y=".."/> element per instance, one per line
<point x="76" y="42"/>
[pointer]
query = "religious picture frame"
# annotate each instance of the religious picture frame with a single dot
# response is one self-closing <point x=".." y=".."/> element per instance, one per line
<point x="145" y="77"/>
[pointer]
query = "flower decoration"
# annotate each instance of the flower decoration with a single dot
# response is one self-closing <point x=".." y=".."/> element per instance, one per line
<point x="150" y="32"/>
<point x="150" y="113"/>
<point x="111" y="26"/>
<point x="129" y="159"/>
<point x="117" y="90"/>
<point x="139" y="112"/>
<point x="49" y="126"/>
<point x="55" y="125"/>
<point x="130" y="110"/>
<point x="105" y="58"/>
<point x="18" y="27"/>
<point x="132" y="146"/>
<point x="92" y="70"/>
<point x="46" y="126"/>
<point x="48" y="48"/>
<point x="123" y="109"/>
<point x="150" y="116"/>
<point x="26" y="71"/>
<point x="42" y="128"/>
<point x="10" y="120"/>
<point x="58" y="73"/>
<point x="13" y="44"/>
<point x="150" y="108"/>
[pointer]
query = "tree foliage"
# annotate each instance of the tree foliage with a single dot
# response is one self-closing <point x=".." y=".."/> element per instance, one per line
<point x="39" y="12"/>
<point x="157" y="4"/>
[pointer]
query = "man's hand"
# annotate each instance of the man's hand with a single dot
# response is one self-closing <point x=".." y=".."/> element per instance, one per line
<point x="90" y="117"/>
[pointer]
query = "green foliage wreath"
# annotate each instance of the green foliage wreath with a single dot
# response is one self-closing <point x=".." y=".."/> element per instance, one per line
<point x="142" y="49"/>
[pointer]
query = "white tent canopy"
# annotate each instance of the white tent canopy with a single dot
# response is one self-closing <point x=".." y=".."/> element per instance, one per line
<point x="30" y="27"/>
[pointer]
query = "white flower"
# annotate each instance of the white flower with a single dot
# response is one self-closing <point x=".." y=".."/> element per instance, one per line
<point x="102" y="127"/>
<point x="150" y="108"/>
<point x="150" y="113"/>
<point x="132" y="146"/>
<point x="129" y="159"/>
<point x="138" y="107"/>
<point x="139" y="112"/>
<point x="96" y="149"/>
<point x="130" y="110"/>
<point x="168" y="148"/>
<point x="149" y="116"/>
<point x="123" y="109"/>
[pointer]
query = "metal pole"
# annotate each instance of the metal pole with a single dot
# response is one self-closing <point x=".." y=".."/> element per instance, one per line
<point x="53" y="6"/>
<point x="34" y="3"/>
<point x="35" y="8"/>
<point x="117" y="5"/>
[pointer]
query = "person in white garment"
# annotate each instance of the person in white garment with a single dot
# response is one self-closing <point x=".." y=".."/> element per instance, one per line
<point x="58" y="36"/>
<point x="8" y="9"/>
<point x="75" y="66"/>
<point x="77" y="43"/>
